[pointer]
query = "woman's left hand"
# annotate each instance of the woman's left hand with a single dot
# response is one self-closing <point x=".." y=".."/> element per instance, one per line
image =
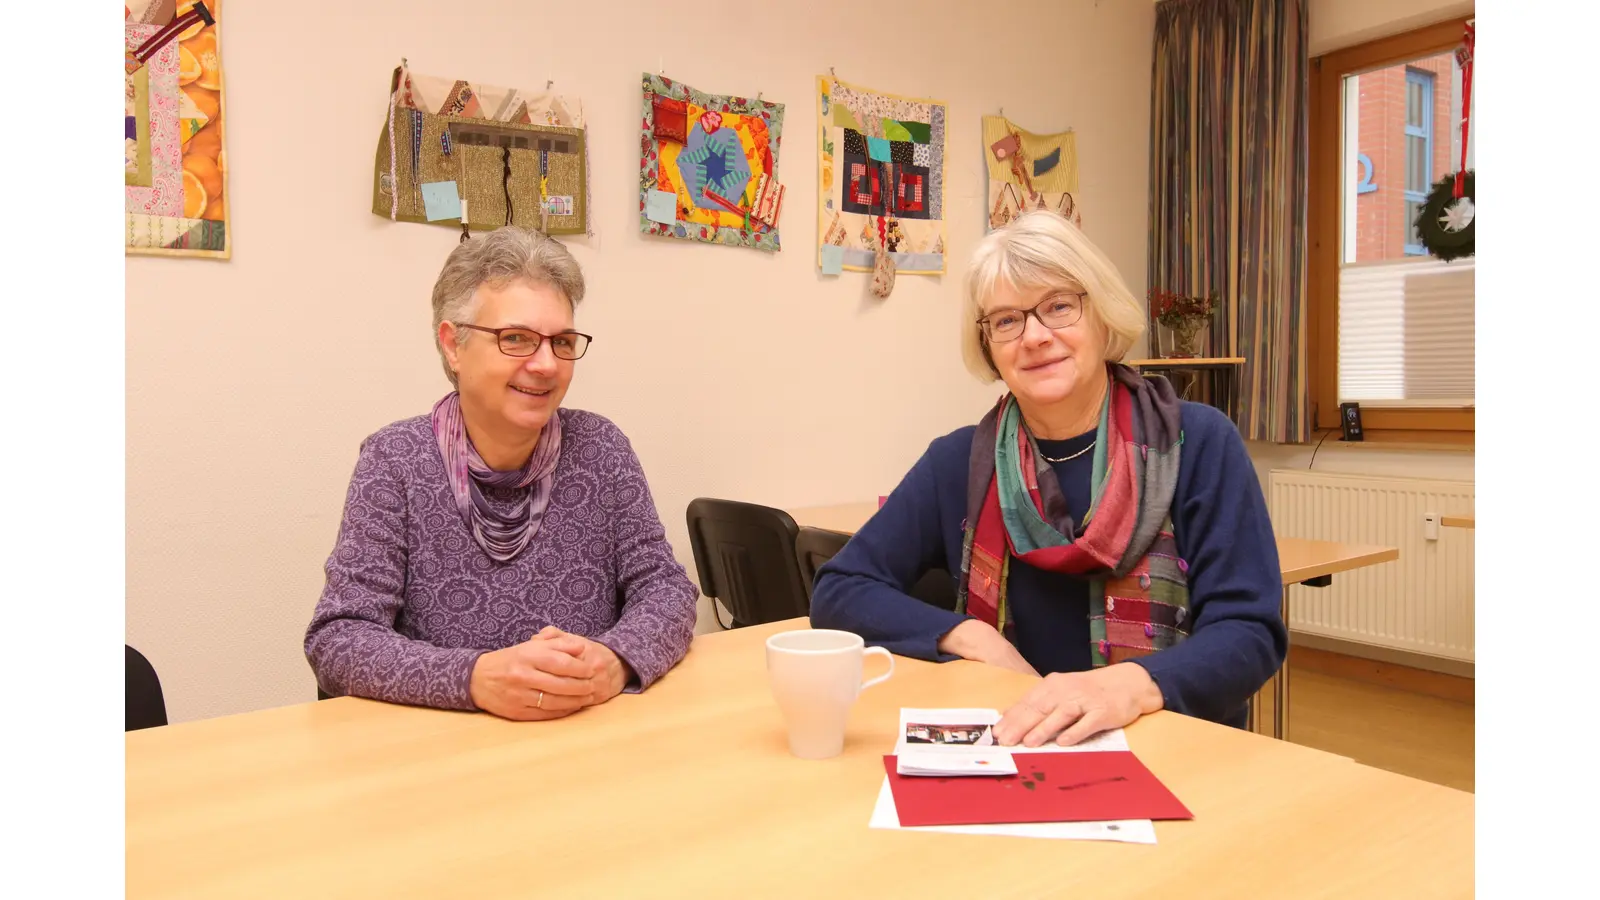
<point x="1071" y="706"/>
<point x="613" y="673"/>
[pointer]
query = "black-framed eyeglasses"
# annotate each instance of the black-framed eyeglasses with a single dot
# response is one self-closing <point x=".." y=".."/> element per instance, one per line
<point x="1059" y="310"/>
<point x="526" y="341"/>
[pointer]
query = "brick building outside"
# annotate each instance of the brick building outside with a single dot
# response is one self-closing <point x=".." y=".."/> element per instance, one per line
<point x="1407" y="137"/>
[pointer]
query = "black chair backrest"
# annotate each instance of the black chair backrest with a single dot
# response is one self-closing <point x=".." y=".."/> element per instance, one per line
<point x="815" y="546"/>
<point x="744" y="554"/>
<point x="936" y="588"/>
<point x="146" y="708"/>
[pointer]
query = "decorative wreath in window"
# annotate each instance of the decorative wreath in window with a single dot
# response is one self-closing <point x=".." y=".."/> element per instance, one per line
<point x="1446" y="222"/>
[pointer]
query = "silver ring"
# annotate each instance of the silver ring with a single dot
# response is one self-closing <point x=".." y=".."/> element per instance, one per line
<point x="540" y="704"/>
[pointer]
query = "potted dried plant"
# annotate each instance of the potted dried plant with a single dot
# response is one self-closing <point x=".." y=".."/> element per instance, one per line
<point x="1186" y="317"/>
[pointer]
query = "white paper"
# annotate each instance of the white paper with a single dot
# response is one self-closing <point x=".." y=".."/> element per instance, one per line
<point x="958" y="733"/>
<point x="982" y="763"/>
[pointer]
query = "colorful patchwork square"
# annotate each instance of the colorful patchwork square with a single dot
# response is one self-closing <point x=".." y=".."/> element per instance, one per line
<point x="721" y="164"/>
<point x="513" y="156"/>
<point x="175" y="168"/>
<point x="1029" y="171"/>
<point x="900" y="197"/>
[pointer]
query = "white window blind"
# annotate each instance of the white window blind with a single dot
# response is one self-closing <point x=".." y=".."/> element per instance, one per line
<point x="1406" y="333"/>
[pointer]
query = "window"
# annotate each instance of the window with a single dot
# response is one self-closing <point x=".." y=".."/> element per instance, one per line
<point x="1418" y="151"/>
<point x="1391" y="327"/>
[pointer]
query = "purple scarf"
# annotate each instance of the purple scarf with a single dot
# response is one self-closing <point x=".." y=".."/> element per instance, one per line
<point x="500" y="536"/>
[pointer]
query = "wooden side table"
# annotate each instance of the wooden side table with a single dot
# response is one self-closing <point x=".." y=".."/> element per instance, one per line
<point x="1223" y="371"/>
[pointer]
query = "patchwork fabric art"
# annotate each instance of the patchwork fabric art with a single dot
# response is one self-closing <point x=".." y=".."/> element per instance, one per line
<point x="1029" y="171"/>
<point x="882" y="181"/>
<point x="708" y="166"/>
<point x="173" y="162"/>
<point x="454" y="152"/>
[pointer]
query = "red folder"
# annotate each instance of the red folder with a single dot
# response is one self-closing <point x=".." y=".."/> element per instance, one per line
<point x="1048" y="787"/>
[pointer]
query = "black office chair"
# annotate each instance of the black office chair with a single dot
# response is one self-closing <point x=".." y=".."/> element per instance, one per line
<point x="744" y="553"/>
<point x="146" y="708"/>
<point x="937" y="587"/>
<point x="815" y="546"/>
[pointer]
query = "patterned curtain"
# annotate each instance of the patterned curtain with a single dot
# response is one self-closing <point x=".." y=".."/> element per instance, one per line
<point x="1228" y="119"/>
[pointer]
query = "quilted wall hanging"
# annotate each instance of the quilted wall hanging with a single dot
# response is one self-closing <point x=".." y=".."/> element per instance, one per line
<point x="174" y="165"/>
<point x="458" y="153"/>
<point x="880" y="203"/>
<point x="708" y="166"/>
<point x="1029" y="171"/>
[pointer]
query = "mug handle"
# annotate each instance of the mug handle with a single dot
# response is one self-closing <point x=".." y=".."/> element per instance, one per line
<point x="881" y="678"/>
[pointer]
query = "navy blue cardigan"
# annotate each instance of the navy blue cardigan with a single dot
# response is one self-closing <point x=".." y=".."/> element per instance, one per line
<point x="1220" y="520"/>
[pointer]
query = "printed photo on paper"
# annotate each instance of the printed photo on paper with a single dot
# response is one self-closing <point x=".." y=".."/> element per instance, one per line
<point x="970" y="735"/>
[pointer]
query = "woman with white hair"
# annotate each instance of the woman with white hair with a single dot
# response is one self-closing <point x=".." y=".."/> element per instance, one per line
<point x="1106" y="534"/>
<point x="501" y="553"/>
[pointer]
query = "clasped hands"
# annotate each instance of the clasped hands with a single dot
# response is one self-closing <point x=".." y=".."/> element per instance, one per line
<point x="1066" y="707"/>
<point x="551" y="675"/>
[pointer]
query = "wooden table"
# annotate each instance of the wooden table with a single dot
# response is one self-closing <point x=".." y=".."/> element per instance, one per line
<point x="688" y="790"/>
<point x="1312" y="563"/>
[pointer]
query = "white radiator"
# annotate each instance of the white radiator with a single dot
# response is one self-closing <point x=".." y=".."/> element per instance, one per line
<point x="1421" y="602"/>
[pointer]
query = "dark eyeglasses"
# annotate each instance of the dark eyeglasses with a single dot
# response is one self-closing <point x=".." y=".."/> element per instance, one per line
<point x="1055" y="311"/>
<point x="526" y="341"/>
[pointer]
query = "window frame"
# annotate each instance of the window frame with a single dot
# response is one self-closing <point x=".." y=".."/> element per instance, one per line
<point x="1325" y="171"/>
<point x="1424" y="80"/>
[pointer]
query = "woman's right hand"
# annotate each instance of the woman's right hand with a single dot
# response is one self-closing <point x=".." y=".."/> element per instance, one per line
<point x="980" y="642"/>
<point x="543" y="678"/>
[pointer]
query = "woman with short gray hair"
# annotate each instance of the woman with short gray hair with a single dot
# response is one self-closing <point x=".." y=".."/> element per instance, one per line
<point x="1102" y="533"/>
<point x="501" y="553"/>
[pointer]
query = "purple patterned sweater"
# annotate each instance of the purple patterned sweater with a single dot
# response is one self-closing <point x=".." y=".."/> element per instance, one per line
<point x="412" y="601"/>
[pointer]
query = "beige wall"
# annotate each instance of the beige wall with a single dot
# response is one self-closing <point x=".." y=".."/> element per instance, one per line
<point x="736" y="374"/>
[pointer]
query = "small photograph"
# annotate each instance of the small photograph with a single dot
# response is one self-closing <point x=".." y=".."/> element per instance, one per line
<point x="964" y="735"/>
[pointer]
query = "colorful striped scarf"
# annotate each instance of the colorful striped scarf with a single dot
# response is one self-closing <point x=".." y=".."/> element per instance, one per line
<point x="1138" y="598"/>
<point x="502" y="536"/>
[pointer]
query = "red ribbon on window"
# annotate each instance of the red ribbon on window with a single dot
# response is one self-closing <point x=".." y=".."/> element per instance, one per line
<point x="1464" y="60"/>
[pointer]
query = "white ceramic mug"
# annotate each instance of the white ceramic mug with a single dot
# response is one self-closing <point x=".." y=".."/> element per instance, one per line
<point x="816" y="677"/>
